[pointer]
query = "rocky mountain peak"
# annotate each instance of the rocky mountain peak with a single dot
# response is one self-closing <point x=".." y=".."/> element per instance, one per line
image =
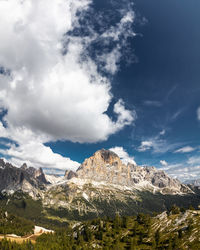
<point x="106" y="156"/>
<point x="27" y="179"/>
<point x="24" y="166"/>
<point x="2" y="163"/>
<point x="37" y="174"/>
<point x="101" y="159"/>
<point x="106" y="166"/>
<point x="70" y="174"/>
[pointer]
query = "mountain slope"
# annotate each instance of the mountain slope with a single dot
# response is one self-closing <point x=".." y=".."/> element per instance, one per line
<point x="101" y="186"/>
<point x="177" y="229"/>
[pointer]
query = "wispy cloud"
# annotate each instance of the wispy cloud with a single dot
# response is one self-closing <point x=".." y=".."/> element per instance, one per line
<point x="183" y="171"/>
<point x="198" y="113"/>
<point x="186" y="149"/>
<point x="153" y="103"/>
<point x="162" y="132"/>
<point x="170" y="92"/>
<point x="177" y="114"/>
<point x="145" y="145"/>
<point x="157" y="145"/>
<point x="194" y="160"/>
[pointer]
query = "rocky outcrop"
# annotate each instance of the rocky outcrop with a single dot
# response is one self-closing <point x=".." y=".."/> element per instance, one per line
<point x="101" y="186"/>
<point x="106" y="166"/>
<point x="69" y="174"/>
<point x="25" y="179"/>
<point x="37" y="174"/>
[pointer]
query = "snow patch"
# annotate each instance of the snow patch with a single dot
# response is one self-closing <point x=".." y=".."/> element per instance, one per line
<point x="13" y="235"/>
<point x="41" y="230"/>
<point x="85" y="196"/>
<point x="101" y="184"/>
<point x="53" y="179"/>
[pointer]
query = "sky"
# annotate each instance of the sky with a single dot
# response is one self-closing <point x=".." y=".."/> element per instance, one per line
<point x="78" y="76"/>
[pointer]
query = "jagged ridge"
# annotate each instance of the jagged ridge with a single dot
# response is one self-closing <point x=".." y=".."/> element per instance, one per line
<point x="106" y="166"/>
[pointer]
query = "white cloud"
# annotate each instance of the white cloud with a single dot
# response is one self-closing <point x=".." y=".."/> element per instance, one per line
<point x="198" y="113"/>
<point x="123" y="155"/>
<point x="112" y="58"/>
<point x="31" y="150"/>
<point x="51" y="95"/>
<point x="163" y="163"/>
<point x="183" y="171"/>
<point x="163" y="132"/>
<point x="194" y="160"/>
<point x="185" y="149"/>
<point x="157" y="145"/>
<point x="145" y="145"/>
<point x="37" y="155"/>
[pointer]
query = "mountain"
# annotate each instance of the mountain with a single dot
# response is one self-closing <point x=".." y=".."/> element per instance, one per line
<point x="101" y="186"/>
<point x="105" y="166"/>
<point x="195" y="182"/>
<point x="26" y="179"/>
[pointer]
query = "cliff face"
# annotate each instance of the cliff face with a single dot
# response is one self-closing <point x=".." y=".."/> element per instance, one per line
<point x="26" y="179"/>
<point x="106" y="166"/>
<point x="101" y="186"/>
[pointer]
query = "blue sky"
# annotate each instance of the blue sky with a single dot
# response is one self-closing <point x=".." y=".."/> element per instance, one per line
<point x="133" y="86"/>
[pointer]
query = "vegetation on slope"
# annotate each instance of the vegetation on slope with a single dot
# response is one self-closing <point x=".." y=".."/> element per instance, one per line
<point x="11" y="224"/>
<point x="22" y="205"/>
<point x="178" y="229"/>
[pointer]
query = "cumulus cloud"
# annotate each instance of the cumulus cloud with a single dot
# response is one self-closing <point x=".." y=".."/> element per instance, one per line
<point x="185" y="149"/>
<point x="50" y="86"/>
<point x="25" y="146"/>
<point x="37" y="155"/>
<point x="123" y="155"/>
<point x="163" y="163"/>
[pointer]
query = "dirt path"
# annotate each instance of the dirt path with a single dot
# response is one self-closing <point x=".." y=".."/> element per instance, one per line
<point x="32" y="238"/>
<point x="20" y="239"/>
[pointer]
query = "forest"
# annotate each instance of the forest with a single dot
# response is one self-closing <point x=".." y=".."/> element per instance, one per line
<point x="162" y="231"/>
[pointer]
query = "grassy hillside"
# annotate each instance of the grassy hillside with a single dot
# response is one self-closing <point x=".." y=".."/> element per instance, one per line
<point x="80" y="209"/>
<point x="12" y="224"/>
<point x="24" y="206"/>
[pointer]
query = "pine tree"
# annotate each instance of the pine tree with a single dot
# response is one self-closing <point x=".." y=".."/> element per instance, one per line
<point x="157" y="237"/>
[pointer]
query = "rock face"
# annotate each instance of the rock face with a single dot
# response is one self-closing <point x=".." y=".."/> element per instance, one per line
<point x="101" y="186"/>
<point x="106" y="166"/>
<point x="37" y="174"/>
<point x="69" y="174"/>
<point x="103" y="167"/>
<point x="26" y="179"/>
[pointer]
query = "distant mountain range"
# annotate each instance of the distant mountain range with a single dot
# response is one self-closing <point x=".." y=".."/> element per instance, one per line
<point x="101" y="186"/>
<point x="195" y="182"/>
